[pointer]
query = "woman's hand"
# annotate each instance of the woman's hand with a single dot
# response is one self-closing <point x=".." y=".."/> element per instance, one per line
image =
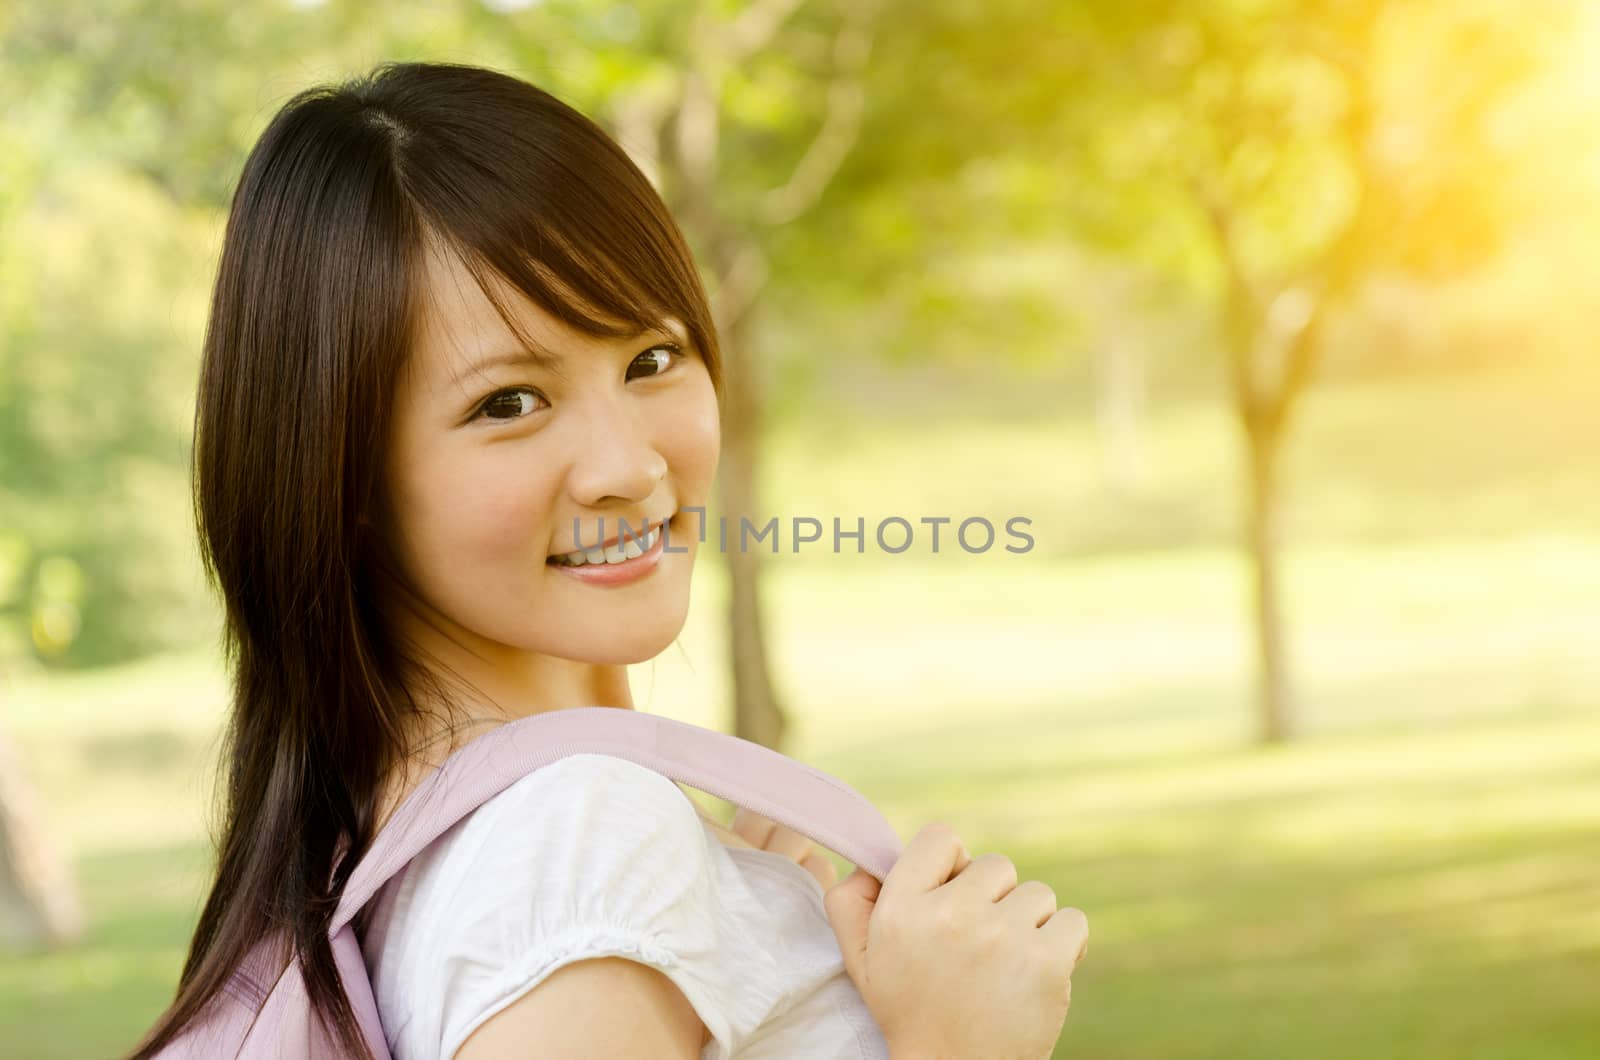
<point x="954" y="955"/>
<point x="766" y="834"/>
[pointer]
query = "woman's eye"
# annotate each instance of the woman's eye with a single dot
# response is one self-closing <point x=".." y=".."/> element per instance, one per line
<point x="661" y="357"/>
<point x="510" y="404"/>
<point x="514" y="403"/>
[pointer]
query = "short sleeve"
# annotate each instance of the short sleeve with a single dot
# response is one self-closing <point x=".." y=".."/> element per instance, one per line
<point x="590" y="856"/>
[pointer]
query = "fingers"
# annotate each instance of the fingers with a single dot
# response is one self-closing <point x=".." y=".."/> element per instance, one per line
<point x="991" y="876"/>
<point x="1068" y="929"/>
<point x="767" y="834"/>
<point x="1033" y="902"/>
<point x="753" y="827"/>
<point x="934" y="855"/>
<point x="963" y="859"/>
<point x="820" y="867"/>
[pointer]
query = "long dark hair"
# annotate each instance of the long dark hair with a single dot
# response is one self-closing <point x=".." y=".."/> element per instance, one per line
<point x="310" y="324"/>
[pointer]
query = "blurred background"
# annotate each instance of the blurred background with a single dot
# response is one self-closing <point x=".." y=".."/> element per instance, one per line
<point x="1275" y="318"/>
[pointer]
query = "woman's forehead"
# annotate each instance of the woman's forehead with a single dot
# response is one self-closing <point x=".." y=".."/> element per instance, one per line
<point x="459" y="325"/>
<point x="461" y="333"/>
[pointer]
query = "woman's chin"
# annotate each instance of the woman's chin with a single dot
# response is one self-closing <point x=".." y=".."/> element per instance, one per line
<point x="622" y="648"/>
<point x="610" y="655"/>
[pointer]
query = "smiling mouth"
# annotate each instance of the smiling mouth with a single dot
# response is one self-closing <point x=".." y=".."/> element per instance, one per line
<point x="628" y="546"/>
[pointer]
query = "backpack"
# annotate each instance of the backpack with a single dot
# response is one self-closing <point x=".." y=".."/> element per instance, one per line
<point x="264" y="1011"/>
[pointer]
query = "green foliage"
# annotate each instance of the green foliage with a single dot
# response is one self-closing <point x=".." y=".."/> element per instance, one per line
<point x="1419" y="881"/>
<point x="1021" y="190"/>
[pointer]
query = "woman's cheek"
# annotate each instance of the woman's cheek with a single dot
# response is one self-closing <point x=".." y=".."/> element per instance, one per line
<point x="696" y="432"/>
<point x="501" y="509"/>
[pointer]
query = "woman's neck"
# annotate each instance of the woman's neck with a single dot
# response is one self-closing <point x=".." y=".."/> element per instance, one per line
<point x="435" y="734"/>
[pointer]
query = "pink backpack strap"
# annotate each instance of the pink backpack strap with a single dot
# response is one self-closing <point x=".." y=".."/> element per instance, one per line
<point x="265" y="1013"/>
<point x="813" y="803"/>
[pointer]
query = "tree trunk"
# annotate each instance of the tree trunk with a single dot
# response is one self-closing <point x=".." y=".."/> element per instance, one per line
<point x="758" y="715"/>
<point x="1119" y="400"/>
<point x="1275" y="698"/>
<point x="38" y="900"/>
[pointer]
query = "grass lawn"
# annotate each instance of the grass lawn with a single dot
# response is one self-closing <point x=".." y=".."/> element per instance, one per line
<point x="1418" y="877"/>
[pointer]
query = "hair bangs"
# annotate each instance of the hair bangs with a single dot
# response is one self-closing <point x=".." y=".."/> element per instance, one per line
<point x="566" y="220"/>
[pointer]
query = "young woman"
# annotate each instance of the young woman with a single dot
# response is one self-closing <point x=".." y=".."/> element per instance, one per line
<point x="456" y="346"/>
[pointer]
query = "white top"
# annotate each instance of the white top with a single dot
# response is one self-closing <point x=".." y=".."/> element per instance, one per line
<point x="596" y="856"/>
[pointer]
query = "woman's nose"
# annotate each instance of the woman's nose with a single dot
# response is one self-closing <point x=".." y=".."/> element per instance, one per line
<point x="614" y="455"/>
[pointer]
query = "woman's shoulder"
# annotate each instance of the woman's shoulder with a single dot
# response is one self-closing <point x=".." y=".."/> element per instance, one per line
<point x="591" y="855"/>
<point x="588" y="841"/>
<point x="580" y="786"/>
<point x="581" y="822"/>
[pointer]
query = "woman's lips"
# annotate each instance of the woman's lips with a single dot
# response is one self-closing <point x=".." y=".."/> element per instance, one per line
<point x="630" y="535"/>
<point x="629" y="570"/>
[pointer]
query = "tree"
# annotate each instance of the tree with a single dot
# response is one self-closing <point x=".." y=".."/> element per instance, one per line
<point x="39" y="903"/>
<point x="718" y="111"/>
<point x="1268" y="158"/>
<point x="740" y="118"/>
<point x="734" y="248"/>
<point x="1259" y="114"/>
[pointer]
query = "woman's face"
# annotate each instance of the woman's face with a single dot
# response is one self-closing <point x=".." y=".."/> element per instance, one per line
<point x="492" y="457"/>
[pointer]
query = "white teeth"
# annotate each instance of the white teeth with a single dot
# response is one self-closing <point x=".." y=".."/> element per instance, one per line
<point x="628" y="548"/>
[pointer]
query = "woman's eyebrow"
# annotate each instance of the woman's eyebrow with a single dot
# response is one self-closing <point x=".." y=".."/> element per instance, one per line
<point x="550" y="362"/>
